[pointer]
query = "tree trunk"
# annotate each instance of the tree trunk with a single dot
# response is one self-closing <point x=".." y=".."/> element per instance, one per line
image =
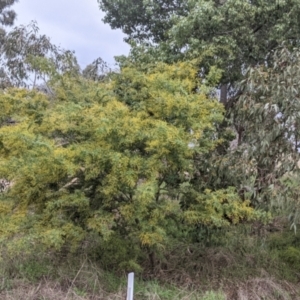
<point x="223" y="94"/>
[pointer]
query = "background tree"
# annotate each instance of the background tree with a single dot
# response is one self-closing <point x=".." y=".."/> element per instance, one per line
<point x="96" y="71"/>
<point x="28" y="59"/>
<point x="235" y="34"/>
<point x="268" y="110"/>
<point x="7" y="15"/>
<point x="143" y="20"/>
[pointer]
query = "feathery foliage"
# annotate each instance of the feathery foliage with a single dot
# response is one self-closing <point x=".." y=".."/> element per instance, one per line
<point x="115" y="159"/>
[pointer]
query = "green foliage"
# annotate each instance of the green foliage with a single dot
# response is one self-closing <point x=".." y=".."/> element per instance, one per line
<point x="29" y="59"/>
<point x="214" y="296"/>
<point x="96" y="70"/>
<point x="7" y="15"/>
<point x="226" y="38"/>
<point x="224" y="207"/>
<point x="291" y="255"/>
<point x="137" y="18"/>
<point x="240" y="33"/>
<point x="290" y="196"/>
<point x="268" y="113"/>
<point x="33" y="270"/>
<point x="116" y="159"/>
<point x="7" y="18"/>
<point x="232" y="34"/>
<point x="241" y="261"/>
<point x="284" y="247"/>
<point x="134" y="169"/>
<point x="156" y="291"/>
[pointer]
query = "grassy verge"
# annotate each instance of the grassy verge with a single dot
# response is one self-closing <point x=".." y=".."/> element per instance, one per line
<point x="90" y="282"/>
<point x="233" y="265"/>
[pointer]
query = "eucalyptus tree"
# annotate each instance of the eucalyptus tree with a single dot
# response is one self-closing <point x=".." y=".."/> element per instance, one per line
<point x="7" y="18"/>
<point x="143" y="20"/>
<point x="234" y="34"/>
<point x="97" y="70"/>
<point x="269" y="111"/>
<point x="28" y="58"/>
<point x="7" y="15"/>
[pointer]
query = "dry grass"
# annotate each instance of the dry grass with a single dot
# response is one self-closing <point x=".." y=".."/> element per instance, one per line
<point x="88" y="283"/>
<point x="254" y="289"/>
<point x="263" y="289"/>
<point x="47" y="290"/>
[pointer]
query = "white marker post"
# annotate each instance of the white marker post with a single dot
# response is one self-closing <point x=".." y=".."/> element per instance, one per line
<point x="130" y="286"/>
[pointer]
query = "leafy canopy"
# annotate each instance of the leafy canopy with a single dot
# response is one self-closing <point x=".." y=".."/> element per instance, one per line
<point x="235" y="34"/>
<point x="29" y="59"/>
<point x="116" y="159"/>
<point x="269" y="113"/>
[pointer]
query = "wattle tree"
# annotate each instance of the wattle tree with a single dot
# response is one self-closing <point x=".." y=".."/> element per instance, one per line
<point x="114" y="160"/>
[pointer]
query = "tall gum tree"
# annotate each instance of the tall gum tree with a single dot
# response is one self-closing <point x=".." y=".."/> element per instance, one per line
<point x="237" y="34"/>
<point x="7" y="15"/>
<point x="7" y="18"/>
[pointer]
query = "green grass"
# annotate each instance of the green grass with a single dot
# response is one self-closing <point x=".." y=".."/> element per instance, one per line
<point x="250" y="265"/>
